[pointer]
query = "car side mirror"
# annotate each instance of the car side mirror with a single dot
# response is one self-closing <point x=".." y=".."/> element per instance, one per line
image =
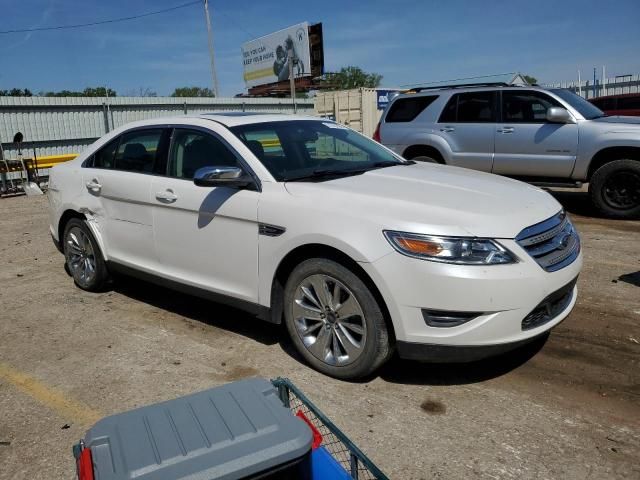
<point x="221" y="177"/>
<point x="559" y="115"/>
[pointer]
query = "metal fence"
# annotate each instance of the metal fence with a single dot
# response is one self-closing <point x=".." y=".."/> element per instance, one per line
<point x="608" y="86"/>
<point x="61" y="125"/>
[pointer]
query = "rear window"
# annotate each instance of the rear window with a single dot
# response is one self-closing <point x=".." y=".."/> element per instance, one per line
<point x="406" y="109"/>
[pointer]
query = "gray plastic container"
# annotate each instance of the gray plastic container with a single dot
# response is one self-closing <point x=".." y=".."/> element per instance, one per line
<point x="239" y="430"/>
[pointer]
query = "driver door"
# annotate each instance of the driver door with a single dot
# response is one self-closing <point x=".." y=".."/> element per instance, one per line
<point x="205" y="236"/>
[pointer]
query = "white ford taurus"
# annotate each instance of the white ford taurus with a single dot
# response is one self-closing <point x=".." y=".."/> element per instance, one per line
<point x="303" y="221"/>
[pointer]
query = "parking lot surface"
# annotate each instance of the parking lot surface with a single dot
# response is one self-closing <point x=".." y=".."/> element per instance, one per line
<point x="566" y="408"/>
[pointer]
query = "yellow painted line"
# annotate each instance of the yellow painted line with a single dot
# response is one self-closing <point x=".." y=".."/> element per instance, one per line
<point x="51" y="398"/>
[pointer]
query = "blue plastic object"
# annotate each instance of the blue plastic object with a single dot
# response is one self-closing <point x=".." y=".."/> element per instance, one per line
<point x="324" y="466"/>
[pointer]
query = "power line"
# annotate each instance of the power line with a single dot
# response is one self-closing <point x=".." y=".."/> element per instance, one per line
<point x="91" y="24"/>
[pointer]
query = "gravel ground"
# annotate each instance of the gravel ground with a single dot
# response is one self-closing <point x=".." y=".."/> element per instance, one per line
<point x="566" y="408"/>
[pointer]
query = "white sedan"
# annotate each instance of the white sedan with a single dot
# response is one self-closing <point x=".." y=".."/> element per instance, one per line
<point x="303" y="221"/>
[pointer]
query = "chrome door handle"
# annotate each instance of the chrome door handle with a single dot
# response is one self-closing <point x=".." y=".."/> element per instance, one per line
<point x="506" y="130"/>
<point x="448" y="129"/>
<point x="167" y="196"/>
<point x="93" y="185"/>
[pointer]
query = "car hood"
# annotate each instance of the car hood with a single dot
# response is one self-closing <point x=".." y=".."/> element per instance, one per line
<point x="432" y="199"/>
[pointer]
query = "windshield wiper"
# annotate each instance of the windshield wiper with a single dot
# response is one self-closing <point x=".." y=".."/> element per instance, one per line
<point x="325" y="173"/>
<point x="334" y="172"/>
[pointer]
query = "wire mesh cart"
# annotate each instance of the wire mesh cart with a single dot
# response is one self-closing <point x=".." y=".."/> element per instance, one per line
<point x="331" y="446"/>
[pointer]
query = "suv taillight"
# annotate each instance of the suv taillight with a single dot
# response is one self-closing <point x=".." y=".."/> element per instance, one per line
<point x="376" y="134"/>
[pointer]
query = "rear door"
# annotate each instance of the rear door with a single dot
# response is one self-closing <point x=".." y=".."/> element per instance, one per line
<point x="529" y="146"/>
<point x="119" y="178"/>
<point x="205" y="236"/>
<point x="467" y="124"/>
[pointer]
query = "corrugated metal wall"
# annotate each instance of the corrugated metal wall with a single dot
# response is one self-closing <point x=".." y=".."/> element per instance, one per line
<point x="59" y="125"/>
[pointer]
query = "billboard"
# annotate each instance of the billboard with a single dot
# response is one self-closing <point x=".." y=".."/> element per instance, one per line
<point x="266" y="59"/>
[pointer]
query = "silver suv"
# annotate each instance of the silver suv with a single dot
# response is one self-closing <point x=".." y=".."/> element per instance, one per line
<point x="545" y="137"/>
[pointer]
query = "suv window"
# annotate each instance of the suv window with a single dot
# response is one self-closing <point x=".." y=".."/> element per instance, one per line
<point x="526" y="106"/>
<point x="471" y="107"/>
<point x="138" y="150"/>
<point x="192" y="149"/>
<point x="407" y="109"/>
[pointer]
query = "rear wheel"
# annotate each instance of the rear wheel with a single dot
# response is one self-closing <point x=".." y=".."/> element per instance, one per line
<point x="83" y="258"/>
<point x="615" y="188"/>
<point x="334" y="320"/>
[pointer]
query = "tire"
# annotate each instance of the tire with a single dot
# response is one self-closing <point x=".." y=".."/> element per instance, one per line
<point x="332" y="345"/>
<point x="615" y="189"/>
<point x="83" y="258"/>
<point x="425" y="158"/>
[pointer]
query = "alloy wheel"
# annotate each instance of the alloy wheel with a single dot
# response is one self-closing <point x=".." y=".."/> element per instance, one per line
<point x="80" y="256"/>
<point x="329" y="320"/>
<point x="621" y="190"/>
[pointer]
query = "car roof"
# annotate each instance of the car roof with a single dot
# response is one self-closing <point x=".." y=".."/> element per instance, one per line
<point x="228" y="119"/>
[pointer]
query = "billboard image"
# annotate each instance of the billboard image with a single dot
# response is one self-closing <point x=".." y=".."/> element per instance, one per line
<point x="266" y="59"/>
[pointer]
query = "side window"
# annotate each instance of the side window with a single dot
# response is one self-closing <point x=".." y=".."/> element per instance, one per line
<point x="138" y="150"/>
<point x="472" y="107"/>
<point x="526" y="106"/>
<point x="407" y="109"/>
<point x="103" y="158"/>
<point x="191" y="150"/>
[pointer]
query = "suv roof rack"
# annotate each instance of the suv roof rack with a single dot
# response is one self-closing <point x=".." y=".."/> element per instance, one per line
<point x="461" y="85"/>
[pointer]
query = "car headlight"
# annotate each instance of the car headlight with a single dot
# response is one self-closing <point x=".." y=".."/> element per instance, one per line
<point x="458" y="250"/>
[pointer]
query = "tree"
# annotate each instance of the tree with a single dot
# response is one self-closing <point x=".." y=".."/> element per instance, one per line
<point x="351" y="77"/>
<point x="87" y="92"/>
<point x="530" y="80"/>
<point x="192" y="92"/>
<point x="16" y="92"/>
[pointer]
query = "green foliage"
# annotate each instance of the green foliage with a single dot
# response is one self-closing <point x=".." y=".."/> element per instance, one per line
<point x="192" y="92"/>
<point x="16" y="92"/>
<point x="351" y="77"/>
<point x="87" y="92"/>
<point x="530" y="80"/>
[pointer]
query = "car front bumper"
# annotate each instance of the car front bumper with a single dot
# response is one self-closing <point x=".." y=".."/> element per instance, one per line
<point x="502" y="295"/>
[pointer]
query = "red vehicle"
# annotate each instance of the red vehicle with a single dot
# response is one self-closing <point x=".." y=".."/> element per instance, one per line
<point x="625" y="104"/>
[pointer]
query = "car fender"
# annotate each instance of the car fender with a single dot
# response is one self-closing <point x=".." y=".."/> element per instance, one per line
<point x="592" y="142"/>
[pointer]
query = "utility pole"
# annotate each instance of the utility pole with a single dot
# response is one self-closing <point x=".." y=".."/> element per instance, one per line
<point x="214" y="77"/>
<point x="579" y="84"/>
<point x="292" y="81"/>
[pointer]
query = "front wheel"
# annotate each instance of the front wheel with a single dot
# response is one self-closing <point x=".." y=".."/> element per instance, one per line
<point x="615" y="189"/>
<point x="334" y="320"/>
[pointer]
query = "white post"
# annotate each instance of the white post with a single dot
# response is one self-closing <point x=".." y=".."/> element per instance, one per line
<point x="292" y="81"/>
<point x="604" y="82"/>
<point x="579" y="84"/>
<point x="214" y="77"/>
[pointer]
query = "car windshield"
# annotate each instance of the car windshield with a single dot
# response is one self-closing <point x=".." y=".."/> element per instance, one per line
<point x="313" y="150"/>
<point x="585" y="108"/>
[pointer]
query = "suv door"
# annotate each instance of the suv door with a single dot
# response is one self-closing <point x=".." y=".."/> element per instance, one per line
<point x="205" y="236"/>
<point x="118" y="177"/>
<point x="527" y="145"/>
<point x="467" y="124"/>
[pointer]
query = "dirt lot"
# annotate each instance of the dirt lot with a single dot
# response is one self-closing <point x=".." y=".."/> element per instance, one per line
<point x="568" y="408"/>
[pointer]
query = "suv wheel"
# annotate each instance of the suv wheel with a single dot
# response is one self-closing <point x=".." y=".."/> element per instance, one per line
<point x="83" y="258"/>
<point x="615" y="188"/>
<point x="334" y="320"/>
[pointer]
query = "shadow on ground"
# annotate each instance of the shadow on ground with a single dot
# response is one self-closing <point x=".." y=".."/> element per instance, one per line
<point x="198" y="309"/>
<point x="395" y="371"/>
<point x="576" y="202"/>
<point x="631" y="278"/>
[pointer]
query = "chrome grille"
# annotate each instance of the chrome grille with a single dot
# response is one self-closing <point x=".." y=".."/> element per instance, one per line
<point x="554" y="243"/>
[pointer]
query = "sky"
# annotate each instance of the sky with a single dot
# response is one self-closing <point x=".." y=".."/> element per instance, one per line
<point x="406" y="41"/>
